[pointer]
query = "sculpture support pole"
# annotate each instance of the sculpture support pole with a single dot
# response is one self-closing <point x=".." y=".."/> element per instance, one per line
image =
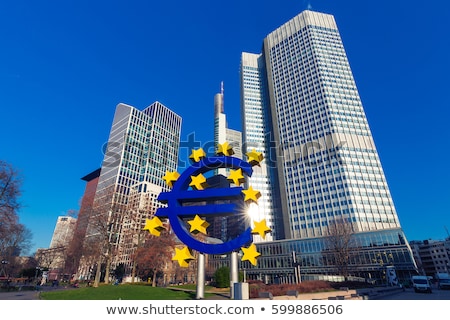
<point x="234" y="272"/>
<point x="201" y="276"/>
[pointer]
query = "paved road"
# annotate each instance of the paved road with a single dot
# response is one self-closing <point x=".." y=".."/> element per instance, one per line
<point x="19" y="295"/>
<point x="27" y="294"/>
<point x="409" y="294"/>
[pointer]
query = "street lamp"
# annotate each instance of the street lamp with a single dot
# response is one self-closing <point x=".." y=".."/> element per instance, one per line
<point x="297" y="275"/>
<point x="36" y="273"/>
<point x="3" y="270"/>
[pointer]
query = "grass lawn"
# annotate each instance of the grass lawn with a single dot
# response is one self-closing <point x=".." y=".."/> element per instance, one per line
<point x="123" y="292"/>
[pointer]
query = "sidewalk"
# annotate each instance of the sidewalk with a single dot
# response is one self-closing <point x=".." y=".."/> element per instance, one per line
<point x="209" y="295"/>
<point x="20" y="295"/>
<point x="27" y="294"/>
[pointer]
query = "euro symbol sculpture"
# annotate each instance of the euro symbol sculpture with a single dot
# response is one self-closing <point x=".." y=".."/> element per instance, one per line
<point x="180" y="195"/>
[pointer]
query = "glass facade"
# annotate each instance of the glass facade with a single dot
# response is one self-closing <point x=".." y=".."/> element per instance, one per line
<point x="257" y="135"/>
<point x="224" y="228"/>
<point x="301" y="108"/>
<point x="326" y="155"/>
<point x="142" y="146"/>
<point x="311" y="258"/>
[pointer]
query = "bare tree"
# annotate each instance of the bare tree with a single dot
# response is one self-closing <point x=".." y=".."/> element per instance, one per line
<point x="142" y="205"/>
<point x="15" y="238"/>
<point x="75" y="249"/>
<point x="17" y="241"/>
<point x="89" y="257"/>
<point x="340" y="246"/>
<point x="74" y="252"/>
<point x="50" y="258"/>
<point x="103" y="230"/>
<point x="155" y="254"/>
<point x="99" y="243"/>
<point x="9" y="194"/>
<point x="10" y="184"/>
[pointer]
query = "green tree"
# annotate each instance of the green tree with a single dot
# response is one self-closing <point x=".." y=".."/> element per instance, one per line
<point x="119" y="272"/>
<point x="222" y="277"/>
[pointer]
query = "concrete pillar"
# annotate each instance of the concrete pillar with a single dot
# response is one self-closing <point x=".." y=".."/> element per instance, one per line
<point x="200" y="276"/>
<point x="234" y="272"/>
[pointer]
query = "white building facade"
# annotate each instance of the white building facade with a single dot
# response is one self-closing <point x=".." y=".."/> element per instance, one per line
<point x="301" y="109"/>
<point x="257" y="135"/>
<point x="63" y="233"/>
<point x="328" y="166"/>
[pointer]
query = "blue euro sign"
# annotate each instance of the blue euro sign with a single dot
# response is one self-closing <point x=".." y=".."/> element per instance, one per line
<point x="180" y="194"/>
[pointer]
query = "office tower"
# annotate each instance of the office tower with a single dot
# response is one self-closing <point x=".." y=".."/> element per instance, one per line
<point x="221" y="131"/>
<point x="300" y="103"/>
<point x="432" y="256"/>
<point x="63" y="233"/>
<point x="258" y="135"/>
<point x="223" y="228"/>
<point x="327" y="162"/>
<point x="56" y="257"/>
<point x="142" y="146"/>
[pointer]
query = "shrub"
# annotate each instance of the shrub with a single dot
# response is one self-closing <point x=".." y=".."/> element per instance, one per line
<point x="281" y="289"/>
<point x="222" y="277"/>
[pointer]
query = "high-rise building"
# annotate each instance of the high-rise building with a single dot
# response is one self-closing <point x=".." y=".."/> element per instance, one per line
<point x="142" y="146"/>
<point x="432" y="256"/>
<point x="302" y="110"/>
<point x="327" y="162"/>
<point x="257" y="134"/>
<point x="63" y="233"/>
<point x="223" y="228"/>
<point x="86" y="205"/>
<point x="55" y="257"/>
<point x="221" y="131"/>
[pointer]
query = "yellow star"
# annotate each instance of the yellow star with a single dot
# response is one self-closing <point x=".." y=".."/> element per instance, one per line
<point x="196" y="155"/>
<point x="254" y="157"/>
<point x="183" y="256"/>
<point x="198" y="225"/>
<point x="154" y="226"/>
<point x="236" y="176"/>
<point x="198" y="182"/>
<point x="225" y="149"/>
<point x="171" y="177"/>
<point x="261" y="228"/>
<point x="251" y="195"/>
<point x="250" y="254"/>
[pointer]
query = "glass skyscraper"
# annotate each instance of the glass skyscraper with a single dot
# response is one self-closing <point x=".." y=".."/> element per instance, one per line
<point x="326" y="159"/>
<point x="224" y="228"/>
<point x="142" y="146"/>
<point x="302" y="110"/>
<point x="221" y="131"/>
<point x="257" y="135"/>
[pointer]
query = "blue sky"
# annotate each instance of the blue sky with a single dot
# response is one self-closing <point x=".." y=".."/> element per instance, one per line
<point x="65" y="65"/>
